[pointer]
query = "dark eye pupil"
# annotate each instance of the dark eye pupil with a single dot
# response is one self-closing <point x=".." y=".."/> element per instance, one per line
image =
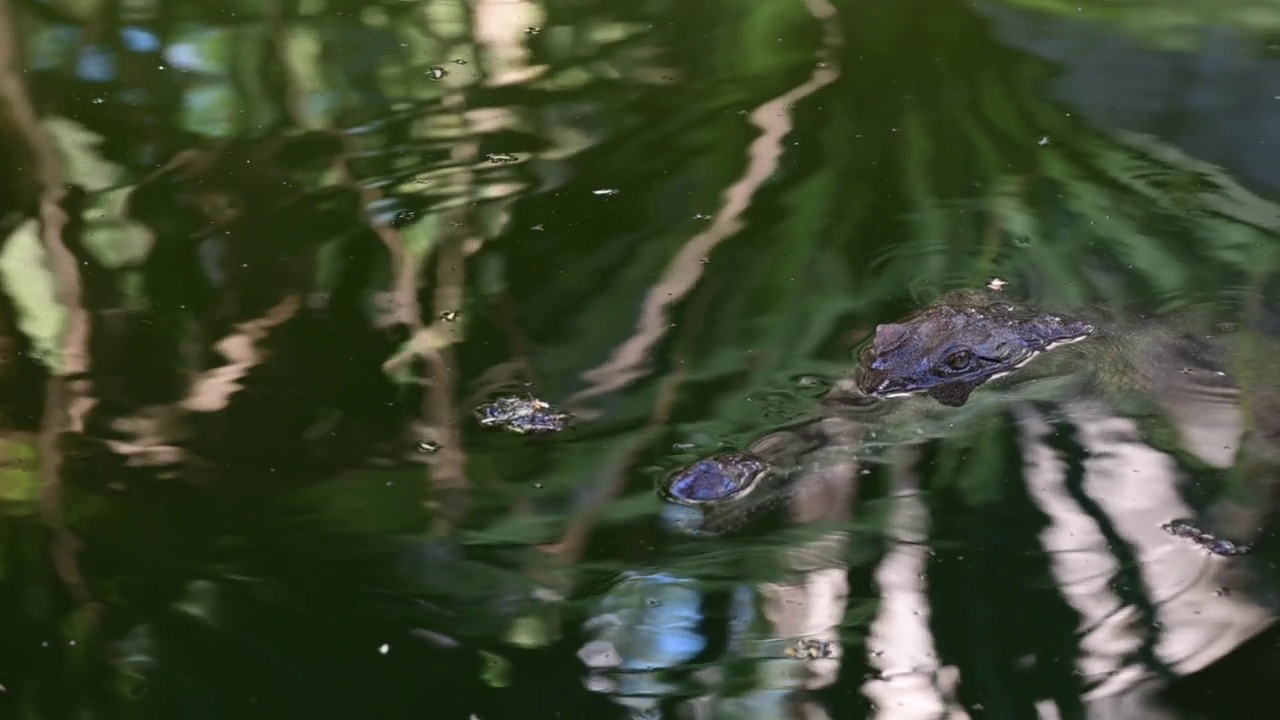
<point x="960" y="360"/>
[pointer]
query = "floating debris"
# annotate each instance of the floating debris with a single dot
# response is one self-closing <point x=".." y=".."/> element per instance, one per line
<point x="459" y="61"/>
<point x="532" y="30"/>
<point x="606" y="192"/>
<point x="404" y="217"/>
<point x="437" y="72"/>
<point x="996" y="284"/>
<point x="1043" y="141"/>
<point x="429" y="447"/>
<point x="1184" y="528"/>
<point x="449" y="315"/>
<point x="501" y="158"/>
<point x="522" y="415"/>
<point x="810" y="649"/>
<point x="539" y="228"/>
<point x="700" y="216"/>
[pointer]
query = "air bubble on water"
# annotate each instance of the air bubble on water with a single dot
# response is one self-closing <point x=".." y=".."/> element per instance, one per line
<point x="437" y="73"/>
<point x="384" y="649"/>
<point x="606" y="192"/>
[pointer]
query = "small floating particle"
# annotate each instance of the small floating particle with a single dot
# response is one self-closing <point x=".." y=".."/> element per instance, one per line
<point x="1043" y="141"/>
<point x="532" y="30"/>
<point x="683" y="447"/>
<point x="501" y="158"/>
<point x="459" y="61"/>
<point x="449" y="315"/>
<point x="384" y="649"/>
<point x="700" y="216"/>
<point x="996" y="284"/>
<point x="539" y="228"/>
<point x="606" y="191"/>
<point x="404" y="217"/>
<point x="428" y="447"/>
<point x="437" y="72"/>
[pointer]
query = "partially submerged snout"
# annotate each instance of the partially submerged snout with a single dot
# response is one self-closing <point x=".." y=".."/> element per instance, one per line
<point x="946" y="351"/>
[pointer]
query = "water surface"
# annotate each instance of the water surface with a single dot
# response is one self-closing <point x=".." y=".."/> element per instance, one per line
<point x="262" y="261"/>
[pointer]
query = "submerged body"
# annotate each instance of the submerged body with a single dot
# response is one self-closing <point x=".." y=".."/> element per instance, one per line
<point x="1111" y="471"/>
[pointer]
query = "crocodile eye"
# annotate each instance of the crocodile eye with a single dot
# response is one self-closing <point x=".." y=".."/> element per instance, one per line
<point x="959" y="360"/>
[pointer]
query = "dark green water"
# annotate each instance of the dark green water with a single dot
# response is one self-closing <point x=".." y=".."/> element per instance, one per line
<point x="263" y="259"/>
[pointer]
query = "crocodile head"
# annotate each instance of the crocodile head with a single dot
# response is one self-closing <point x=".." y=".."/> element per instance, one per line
<point x="947" y="350"/>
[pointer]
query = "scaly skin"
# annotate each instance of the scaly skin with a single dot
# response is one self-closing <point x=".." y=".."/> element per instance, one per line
<point x="1016" y="344"/>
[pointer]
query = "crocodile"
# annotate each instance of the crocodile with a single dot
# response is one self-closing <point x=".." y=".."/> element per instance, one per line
<point x="1206" y="385"/>
<point x="967" y="339"/>
<point x="952" y="347"/>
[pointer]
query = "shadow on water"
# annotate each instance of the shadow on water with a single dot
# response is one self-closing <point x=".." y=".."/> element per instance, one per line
<point x="265" y="263"/>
